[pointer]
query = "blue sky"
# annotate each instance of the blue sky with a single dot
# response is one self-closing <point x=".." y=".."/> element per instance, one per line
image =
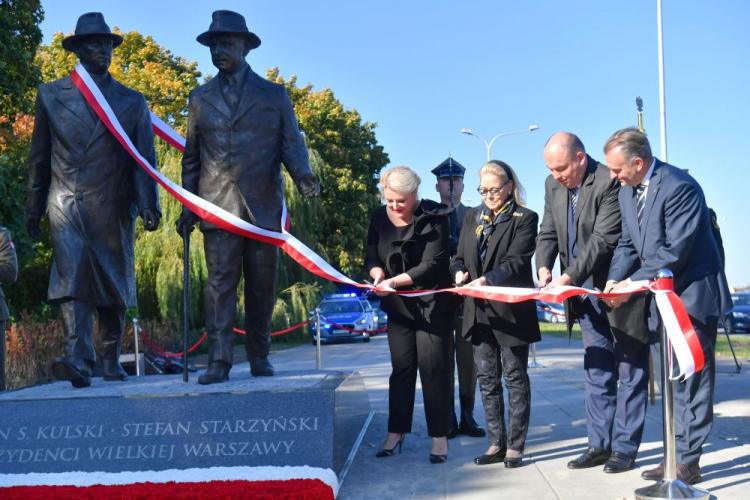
<point x="423" y="70"/>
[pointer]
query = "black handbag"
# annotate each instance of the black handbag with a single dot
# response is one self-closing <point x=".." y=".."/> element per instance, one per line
<point x="629" y="322"/>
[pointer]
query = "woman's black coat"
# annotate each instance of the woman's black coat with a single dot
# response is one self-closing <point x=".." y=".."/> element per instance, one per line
<point x="508" y="264"/>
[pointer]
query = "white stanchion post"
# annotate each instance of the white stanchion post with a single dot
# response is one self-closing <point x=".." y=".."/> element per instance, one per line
<point x="534" y="363"/>
<point x="136" y="332"/>
<point x="669" y="487"/>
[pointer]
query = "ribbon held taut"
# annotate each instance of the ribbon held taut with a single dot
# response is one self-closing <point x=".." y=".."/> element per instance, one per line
<point x="676" y="320"/>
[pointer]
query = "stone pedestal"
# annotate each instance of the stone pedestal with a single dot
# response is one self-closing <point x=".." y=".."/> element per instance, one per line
<point x="160" y="423"/>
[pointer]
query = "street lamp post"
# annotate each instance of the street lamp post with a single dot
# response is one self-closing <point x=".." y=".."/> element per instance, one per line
<point x="489" y="144"/>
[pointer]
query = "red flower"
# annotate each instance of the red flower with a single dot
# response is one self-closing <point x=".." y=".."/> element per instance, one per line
<point x="292" y="489"/>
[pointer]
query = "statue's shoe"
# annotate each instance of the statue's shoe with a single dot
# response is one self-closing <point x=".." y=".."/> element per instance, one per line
<point x="261" y="367"/>
<point x="217" y="372"/>
<point x="73" y="369"/>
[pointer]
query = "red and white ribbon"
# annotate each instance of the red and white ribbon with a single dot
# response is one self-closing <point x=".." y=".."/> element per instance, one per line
<point x="676" y="321"/>
<point x="202" y="208"/>
<point x="685" y="342"/>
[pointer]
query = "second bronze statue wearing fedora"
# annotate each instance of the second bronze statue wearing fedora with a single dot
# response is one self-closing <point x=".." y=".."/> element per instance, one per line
<point x="241" y="128"/>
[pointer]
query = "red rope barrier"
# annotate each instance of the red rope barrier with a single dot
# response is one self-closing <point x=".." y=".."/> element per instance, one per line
<point x="205" y="336"/>
<point x="171" y="354"/>
<point x="280" y="332"/>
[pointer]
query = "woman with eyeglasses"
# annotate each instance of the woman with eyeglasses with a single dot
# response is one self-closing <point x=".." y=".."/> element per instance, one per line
<point x="407" y="249"/>
<point x="495" y="248"/>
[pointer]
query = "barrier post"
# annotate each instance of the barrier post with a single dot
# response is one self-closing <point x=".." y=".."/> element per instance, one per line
<point x="317" y="343"/>
<point x="669" y="486"/>
<point x="534" y="363"/>
<point x="136" y="333"/>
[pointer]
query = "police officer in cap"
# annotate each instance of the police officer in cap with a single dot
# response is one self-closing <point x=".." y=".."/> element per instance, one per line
<point x="450" y="185"/>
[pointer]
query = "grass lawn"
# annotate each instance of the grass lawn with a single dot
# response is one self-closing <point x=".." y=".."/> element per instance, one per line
<point x="741" y="343"/>
<point x="559" y="330"/>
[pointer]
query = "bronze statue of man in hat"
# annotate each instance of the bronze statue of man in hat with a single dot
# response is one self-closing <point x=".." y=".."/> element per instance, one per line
<point x="241" y="128"/>
<point x="92" y="190"/>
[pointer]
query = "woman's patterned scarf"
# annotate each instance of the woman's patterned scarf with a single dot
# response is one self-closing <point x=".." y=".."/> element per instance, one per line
<point x="486" y="225"/>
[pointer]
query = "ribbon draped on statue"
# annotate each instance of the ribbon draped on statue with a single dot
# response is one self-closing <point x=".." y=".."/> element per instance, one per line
<point x="679" y="329"/>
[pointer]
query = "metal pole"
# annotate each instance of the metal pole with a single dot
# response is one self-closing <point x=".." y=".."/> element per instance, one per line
<point x="662" y="94"/>
<point x="136" y="333"/>
<point x="534" y="363"/>
<point x="185" y="300"/>
<point x="669" y="487"/>
<point x="317" y="343"/>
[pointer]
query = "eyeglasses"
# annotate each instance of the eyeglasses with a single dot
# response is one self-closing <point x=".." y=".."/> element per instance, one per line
<point x="492" y="191"/>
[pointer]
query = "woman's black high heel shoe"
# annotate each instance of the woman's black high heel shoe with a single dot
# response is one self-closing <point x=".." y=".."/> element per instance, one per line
<point x="513" y="462"/>
<point x="439" y="459"/>
<point x="389" y="453"/>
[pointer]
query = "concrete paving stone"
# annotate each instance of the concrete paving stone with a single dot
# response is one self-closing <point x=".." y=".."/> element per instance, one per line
<point x="557" y="434"/>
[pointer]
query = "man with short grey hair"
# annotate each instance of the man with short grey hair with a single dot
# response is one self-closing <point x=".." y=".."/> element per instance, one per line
<point x="666" y="225"/>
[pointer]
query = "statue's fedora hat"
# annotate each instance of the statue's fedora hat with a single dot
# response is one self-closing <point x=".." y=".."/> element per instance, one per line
<point x="91" y="24"/>
<point x="228" y="22"/>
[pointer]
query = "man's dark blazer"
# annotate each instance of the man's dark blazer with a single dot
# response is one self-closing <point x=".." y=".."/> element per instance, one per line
<point x="597" y="228"/>
<point x="92" y="189"/>
<point x="675" y="234"/>
<point x="233" y="159"/>
<point x="507" y="263"/>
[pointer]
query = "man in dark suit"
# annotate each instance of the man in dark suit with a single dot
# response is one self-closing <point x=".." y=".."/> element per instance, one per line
<point x="92" y="190"/>
<point x="581" y="223"/>
<point x="666" y="225"/>
<point x="8" y="274"/>
<point x="241" y="127"/>
<point x="450" y="186"/>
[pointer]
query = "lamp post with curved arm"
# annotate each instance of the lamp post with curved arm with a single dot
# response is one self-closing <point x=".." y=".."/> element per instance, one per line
<point x="489" y="144"/>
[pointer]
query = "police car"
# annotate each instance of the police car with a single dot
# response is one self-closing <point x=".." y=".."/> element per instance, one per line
<point x="349" y="318"/>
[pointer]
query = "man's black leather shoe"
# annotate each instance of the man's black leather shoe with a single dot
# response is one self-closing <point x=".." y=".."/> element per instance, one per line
<point x="261" y="367"/>
<point x="452" y="426"/>
<point x="689" y="474"/>
<point x="618" y="462"/>
<point x="590" y="458"/>
<point x="75" y="370"/>
<point x="112" y="370"/>
<point x="469" y="426"/>
<point x="218" y="371"/>
<point x="492" y="458"/>
<point x="655" y="474"/>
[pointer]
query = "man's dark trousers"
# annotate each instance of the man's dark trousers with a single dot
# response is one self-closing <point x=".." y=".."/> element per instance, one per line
<point x="615" y="414"/>
<point x="228" y="256"/>
<point x="693" y="398"/>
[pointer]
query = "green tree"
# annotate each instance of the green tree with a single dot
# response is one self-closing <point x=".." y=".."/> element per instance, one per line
<point x="19" y="76"/>
<point x="20" y="36"/>
<point x="349" y="183"/>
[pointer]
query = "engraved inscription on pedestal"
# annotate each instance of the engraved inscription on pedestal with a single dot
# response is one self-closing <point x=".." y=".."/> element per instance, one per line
<point x="180" y="431"/>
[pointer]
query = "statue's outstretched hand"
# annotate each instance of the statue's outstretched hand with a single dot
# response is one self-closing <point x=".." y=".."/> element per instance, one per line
<point x="151" y="218"/>
<point x="309" y="186"/>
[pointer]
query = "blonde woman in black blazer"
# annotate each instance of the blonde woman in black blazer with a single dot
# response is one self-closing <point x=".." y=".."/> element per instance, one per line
<point x="495" y="248"/>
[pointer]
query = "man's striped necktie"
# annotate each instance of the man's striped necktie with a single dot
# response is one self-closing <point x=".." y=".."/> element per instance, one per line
<point x="573" y="201"/>
<point x="640" y="202"/>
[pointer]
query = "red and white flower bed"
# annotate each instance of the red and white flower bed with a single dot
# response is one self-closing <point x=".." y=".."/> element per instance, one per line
<point x="216" y="482"/>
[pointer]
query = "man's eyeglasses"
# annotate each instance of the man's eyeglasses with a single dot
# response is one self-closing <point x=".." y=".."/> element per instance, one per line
<point x="492" y="191"/>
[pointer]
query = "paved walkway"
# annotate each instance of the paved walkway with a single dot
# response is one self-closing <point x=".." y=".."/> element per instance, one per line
<point x="557" y="434"/>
